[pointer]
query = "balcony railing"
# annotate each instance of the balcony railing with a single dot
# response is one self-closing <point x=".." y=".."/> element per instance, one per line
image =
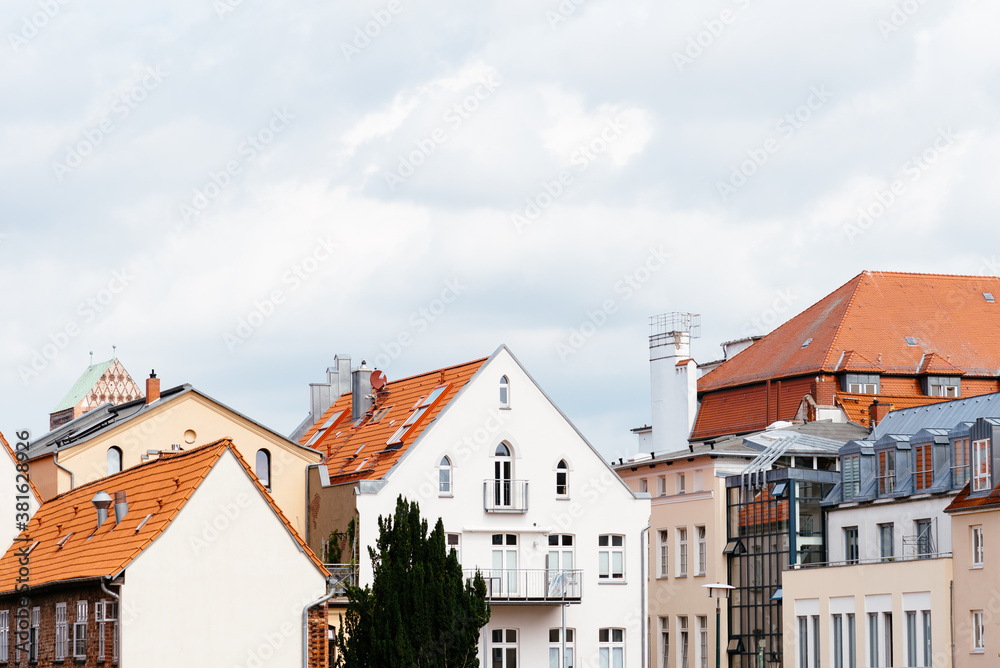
<point x="505" y="496"/>
<point x="520" y="586"/>
<point x="342" y="576"/>
<point x="866" y="562"/>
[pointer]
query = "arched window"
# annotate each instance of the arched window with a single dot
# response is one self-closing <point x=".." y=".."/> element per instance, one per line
<point x="114" y="460"/>
<point x="502" y="476"/>
<point x="444" y="477"/>
<point x="562" y="478"/>
<point x="263" y="467"/>
<point x="504" y="392"/>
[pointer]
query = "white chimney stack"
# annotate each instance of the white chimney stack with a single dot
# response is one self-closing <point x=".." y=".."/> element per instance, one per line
<point x="673" y="379"/>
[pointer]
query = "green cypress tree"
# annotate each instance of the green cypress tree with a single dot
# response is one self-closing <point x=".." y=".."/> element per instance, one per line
<point x="420" y="611"/>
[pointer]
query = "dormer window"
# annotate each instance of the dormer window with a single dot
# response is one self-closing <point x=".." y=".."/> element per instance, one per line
<point x="852" y="476"/>
<point x="331" y="421"/>
<point x="943" y="386"/>
<point x="981" y="474"/>
<point x="860" y="383"/>
<point x="887" y="472"/>
<point x="504" y="392"/>
<point x="960" y="463"/>
<point x="923" y="469"/>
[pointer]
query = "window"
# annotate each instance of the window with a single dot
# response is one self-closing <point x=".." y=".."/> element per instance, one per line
<point x="682" y="552"/>
<point x="837" y="640"/>
<point x="978" y="641"/>
<point x="114" y="460"/>
<point x="5" y="634"/>
<point x="424" y="404"/>
<point x="926" y="616"/>
<point x="702" y="550"/>
<point x="803" y="642"/>
<point x="977" y="547"/>
<point x="106" y="612"/>
<point x="911" y="638"/>
<point x="444" y="477"/>
<point x="682" y="626"/>
<point x="886" y="472"/>
<point x="611" y="648"/>
<point x="263" y="468"/>
<point x="960" y="470"/>
<point x="379" y="414"/>
<point x="503" y="486"/>
<point x="504" y="648"/>
<point x="887" y="621"/>
<point x="504" y="392"/>
<point x="852" y="476"/>
<point x="505" y="574"/>
<point x="611" y="558"/>
<point x="702" y="641"/>
<point x="923" y="469"/>
<point x="885" y="541"/>
<point x="61" y="632"/>
<point x="981" y="465"/>
<point x="562" y="478"/>
<point x="680" y="483"/>
<point x="80" y="631"/>
<point x="331" y="422"/>
<point x="560" y="557"/>
<point x="944" y="386"/>
<point x="454" y="542"/>
<point x="555" y="648"/>
<point x="861" y="383"/>
<point x="661" y="485"/>
<point x="664" y="554"/>
<point x="873" y="640"/>
<point x="815" y="631"/>
<point x="664" y="642"/>
<point x="851" y="545"/>
<point x="925" y="538"/>
<point x="643" y="485"/>
<point x="33" y="635"/>
<point x="851" y="643"/>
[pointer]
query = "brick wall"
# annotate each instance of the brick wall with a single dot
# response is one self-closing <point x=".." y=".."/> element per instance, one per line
<point x="46" y="601"/>
<point x="319" y="650"/>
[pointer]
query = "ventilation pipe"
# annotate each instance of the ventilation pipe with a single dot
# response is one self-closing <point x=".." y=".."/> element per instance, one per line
<point x="101" y="501"/>
<point x="121" y="506"/>
<point x="361" y="391"/>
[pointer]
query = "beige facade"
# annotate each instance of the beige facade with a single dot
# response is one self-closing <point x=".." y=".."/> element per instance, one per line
<point x="977" y="587"/>
<point x="823" y="608"/>
<point x="187" y="419"/>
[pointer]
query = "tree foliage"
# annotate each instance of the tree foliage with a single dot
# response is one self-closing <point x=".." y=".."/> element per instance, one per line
<point x="420" y="611"/>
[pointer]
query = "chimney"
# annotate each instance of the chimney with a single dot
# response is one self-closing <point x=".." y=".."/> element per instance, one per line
<point x="101" y="501"/>
<point x="673" y="379"/>
<point x="877" y="413"/>
<point x="152" y="387"/>
<point x="361" y="391"/>
<point x="121" y="507"/>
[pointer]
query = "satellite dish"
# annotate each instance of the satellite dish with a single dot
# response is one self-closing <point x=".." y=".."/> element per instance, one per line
<point x="378" y="379"/>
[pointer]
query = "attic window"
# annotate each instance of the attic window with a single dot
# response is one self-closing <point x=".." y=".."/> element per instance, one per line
<point x="361" y="465"/>
<point x="989" y="297"/>
<point x="64" y="539"/>
<point x="423" y="405"/>
<point x="143" y="522"/>
<point x="808" y="341"/>
<point x="326" y="425"/>
<point x="910" y="341"/>
<point x="380" y="414"/>
<point x="359" y="450"/>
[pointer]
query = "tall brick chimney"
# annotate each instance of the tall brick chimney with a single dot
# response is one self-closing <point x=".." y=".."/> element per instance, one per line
<point x="152" y="387"/>
<point x="877" y="412"/>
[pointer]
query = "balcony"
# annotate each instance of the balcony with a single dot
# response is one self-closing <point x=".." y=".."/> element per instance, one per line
<point x="342" y="576"/>
<point x="521" y="586"/>
<point x="505" y="496"/>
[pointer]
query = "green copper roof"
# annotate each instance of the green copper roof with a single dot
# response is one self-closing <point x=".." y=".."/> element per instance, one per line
<point x="83" y="385"/>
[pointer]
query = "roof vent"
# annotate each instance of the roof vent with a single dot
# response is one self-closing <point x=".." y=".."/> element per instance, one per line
<point x="910" y="341"/>
<point x="121" y="506"/>
<point x="989" y="297"/>
<point x="101" y="501"/>
<point x="808" y="341"/>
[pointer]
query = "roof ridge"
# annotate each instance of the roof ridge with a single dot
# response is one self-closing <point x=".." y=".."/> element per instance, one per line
<point x="428" y="373"/>
<point x="915" y="274"/>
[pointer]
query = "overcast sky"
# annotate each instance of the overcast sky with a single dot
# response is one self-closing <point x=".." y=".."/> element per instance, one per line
<point x="235" y="191"/>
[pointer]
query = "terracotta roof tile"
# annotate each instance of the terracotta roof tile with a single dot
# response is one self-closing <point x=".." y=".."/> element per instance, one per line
<point x="855" y="361"/>
<point x="856" y="405"/>
<point x="157" y="489"/>
<point x="963" y="501"/>
<point x="935" y="364"/>
<point x="361" y="452"/>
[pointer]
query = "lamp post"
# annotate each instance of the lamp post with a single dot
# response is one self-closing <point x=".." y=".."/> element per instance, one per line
<point x="718" y="591"/>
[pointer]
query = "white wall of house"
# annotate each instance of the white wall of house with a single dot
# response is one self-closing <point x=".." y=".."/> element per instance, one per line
<point x="13" y="495"/>
<point x="902" y="514"/>
<point x="224" y="585"/>
<point x="468" y="432"/>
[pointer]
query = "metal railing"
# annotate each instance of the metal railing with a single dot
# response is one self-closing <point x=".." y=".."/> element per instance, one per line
<point x="505" y="496"/>
<point x="874" y="560"/>
<point x="342" y="576"/>
<point x="521" y="585"/>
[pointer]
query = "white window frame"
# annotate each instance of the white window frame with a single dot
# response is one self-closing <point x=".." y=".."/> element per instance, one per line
<point x="62" y="632"/>
<point x="504" y="392"/>
<point x="643" y="485"/>
<point x="607" y="550"/>
<point x="702" y="533"/>
<point x="80" y="631"/>
<point x="4" y="635"/>
<point x="446" y="483"/>
<point x="977" y="546"/>
<point x="33" y="634"/>
<point x="611" y="647"/>
<point x="702" y="641"/>
<point x="684" y="654"/>
<point x="664" y="642"/>
<point x="556" y="647"/>
<point x="978" y="633"/>
<point x="454" y="540"/>
<point x="562" y="469"/>
<point x="981" y="465"/>
<point x="661" y="485"/>
<point x="505" y="644"/>
<point x="681" y="483"/>
<point x="265" y="479"/>
<point x="852" y="476"/>
<point x="682" y="552"/>
<point x="664" y="560"/>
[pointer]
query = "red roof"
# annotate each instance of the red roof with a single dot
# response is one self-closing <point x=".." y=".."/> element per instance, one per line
<point x="856" y="405"/>
<point x="871" y="315"/>
<point x="963" y="502"/>
<point x="360" y="451"/>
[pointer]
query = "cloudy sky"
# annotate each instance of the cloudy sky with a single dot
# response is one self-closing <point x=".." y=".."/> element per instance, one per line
<point x="234" y="191"/>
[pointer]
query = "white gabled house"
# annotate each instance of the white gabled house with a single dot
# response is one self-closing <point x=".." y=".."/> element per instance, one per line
<point x="523" y="496"/>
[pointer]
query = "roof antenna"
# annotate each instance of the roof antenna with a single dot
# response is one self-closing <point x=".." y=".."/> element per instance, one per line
<point x="114" y="351"/>
<point x="91" y="358"/>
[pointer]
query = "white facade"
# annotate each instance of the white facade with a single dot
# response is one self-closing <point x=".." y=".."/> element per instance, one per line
<point x="224" y="585"/>
<point x="596" y="503"/>
<point x="673" y="377"/>
<point x="17" y="496"/>
<point x="901" y="514"/>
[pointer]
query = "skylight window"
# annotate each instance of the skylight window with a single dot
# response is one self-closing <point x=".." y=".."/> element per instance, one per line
<point x="989" y="297"/>
<point x="808" y="341"/>
<point x="358" y="451"/>
<point x="322" y="430"/>
<point x="65" y="538"/>
<point x="910" y="341"/>
<point x="380" y="414"/>
<point x="361" y="465"/>
<point x="423" y="405"/>
<point x="433" y="396"/>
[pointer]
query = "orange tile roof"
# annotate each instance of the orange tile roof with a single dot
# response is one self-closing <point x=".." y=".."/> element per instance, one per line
<point x="13" y="458"/>
<point x="935" y="364"/>
<point x="360" y="452"/>
<point x="157" y="489"/>
<point x="855" y="361"/>
<point x="856" y="405"/>
<point x="871" y="315"/>
<point x="962" y="500"/>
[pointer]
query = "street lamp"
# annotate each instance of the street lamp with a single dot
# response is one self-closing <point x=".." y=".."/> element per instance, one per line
<point x="718" y="591"/>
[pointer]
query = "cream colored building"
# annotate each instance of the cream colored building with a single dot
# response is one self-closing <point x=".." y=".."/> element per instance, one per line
<point x="111" y="438"/>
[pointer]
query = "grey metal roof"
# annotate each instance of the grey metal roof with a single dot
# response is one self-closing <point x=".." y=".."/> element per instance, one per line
<point x="944" y="415"/>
